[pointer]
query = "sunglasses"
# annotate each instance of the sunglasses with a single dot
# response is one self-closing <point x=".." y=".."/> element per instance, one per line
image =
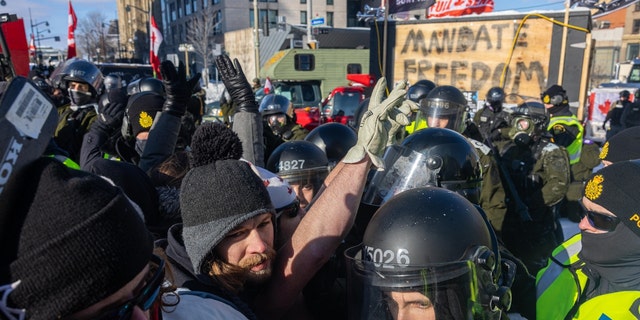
<point x="145" y="298"/>
<point x="291" y="210"/>
<point x="600" y="221"/>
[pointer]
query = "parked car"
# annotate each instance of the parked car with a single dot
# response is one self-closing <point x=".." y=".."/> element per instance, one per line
<point x="305" y="97"/>
<point x="341" y="105"/>
<point x="128" y="72"/>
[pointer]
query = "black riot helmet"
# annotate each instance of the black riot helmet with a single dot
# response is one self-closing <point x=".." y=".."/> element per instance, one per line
<point x="529" y="120"/>
<point x="625" y="94"/>
<point x="334" y="138"/>
<point x="428" y="157"/>
<point x="79" y="70"/>
<point x="430" y="245"/>
<point x="112" y="82"/>
<point x="275" y="111"/>
<point x="144" y="85"/>
<point x="274" y="104"/>
<point x="420" y="90"/>
<point x="300" y="163"/>
<point x="444" y="107"/>
<point x="495" y="98"/>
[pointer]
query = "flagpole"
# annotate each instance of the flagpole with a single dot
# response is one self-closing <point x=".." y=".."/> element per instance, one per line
<point x="384" y="40"/>
<point x="563" y="47"/>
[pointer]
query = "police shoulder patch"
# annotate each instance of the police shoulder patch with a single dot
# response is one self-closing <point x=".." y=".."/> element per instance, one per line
<point x="481" y="147"/>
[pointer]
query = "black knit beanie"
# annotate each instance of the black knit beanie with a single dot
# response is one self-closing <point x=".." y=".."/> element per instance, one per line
<point x="80" y="240"/>
<point x="214" y="199"/>
<point x="615" y="187"/>
<point x="625" y="145"/>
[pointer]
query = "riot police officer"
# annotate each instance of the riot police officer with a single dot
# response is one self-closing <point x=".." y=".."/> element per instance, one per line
<point x="303" y="165"/>
<point x="83" y="81"/>
<point x="446" y="107"/>
<point x="539" y="170"/>
<point x="567" y="132"/>
<point x="279" y="124"/>
<point x="614" y="116"/>
<point x="416" y="93"/>
<point x="427" y="253"/>
<point x="334" y="138"/>
<point x="491" y="117"/>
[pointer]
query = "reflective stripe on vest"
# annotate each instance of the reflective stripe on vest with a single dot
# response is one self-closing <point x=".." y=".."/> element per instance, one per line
<point x="556" y="287"/>
<point x="575" y="148"/>
<point x="566" y="253"/>
<point x="66" y="161"/>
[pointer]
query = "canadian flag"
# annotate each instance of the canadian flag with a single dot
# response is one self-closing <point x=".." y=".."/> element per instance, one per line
<point x="267" y="86"/>
<point x="32" y="46"/>
<point x="71" y="39"/>
<point x="156" y="40"/>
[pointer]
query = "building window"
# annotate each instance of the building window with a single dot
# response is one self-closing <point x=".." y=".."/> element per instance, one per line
<point x="329" y="19"/>
<point x="636" y="26"/>
<point x="172" y="8"/>
<point x="215" y="1"/>
<point x="304" y="62"/>
<point x="303" y="17"/>
<point x="354" y="68"/>
<point x="329" y="2"/>
<point x="633" y="51"/>
<point x="179" y="9"/>
<point x="637" y="7"/>
<point x="303" y="1"/>
<point x="187" y="7"/>
<point x="218" y="28"/>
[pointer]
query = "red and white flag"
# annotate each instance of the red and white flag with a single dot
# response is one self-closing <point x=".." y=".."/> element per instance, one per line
<point x="155" y="41"/>
<point x="71" y="39"/>
<point x="267" y="86"/>
<point x="32" y="46"/>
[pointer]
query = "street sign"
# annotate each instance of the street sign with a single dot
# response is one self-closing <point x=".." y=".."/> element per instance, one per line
<point x="317" y="21"/>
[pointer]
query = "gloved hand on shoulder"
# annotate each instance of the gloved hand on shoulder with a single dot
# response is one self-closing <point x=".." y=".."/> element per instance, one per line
<point x="177" y="87"/>
<point x="236" y="83"/>
<point x="380" y="123"/>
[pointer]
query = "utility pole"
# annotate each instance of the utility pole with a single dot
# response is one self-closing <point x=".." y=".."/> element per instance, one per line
<point x="256" y="34"/>
<point x="309" y="17"/>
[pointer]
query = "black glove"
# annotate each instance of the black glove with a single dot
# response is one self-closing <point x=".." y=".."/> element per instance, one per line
<point x="177" y="87"/>
<point x="604" y="126"/>
<point x="236" y="83"/>
<point x="110" y="117"/>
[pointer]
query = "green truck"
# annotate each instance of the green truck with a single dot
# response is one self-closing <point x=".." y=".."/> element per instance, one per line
<point x="309" y="75"/>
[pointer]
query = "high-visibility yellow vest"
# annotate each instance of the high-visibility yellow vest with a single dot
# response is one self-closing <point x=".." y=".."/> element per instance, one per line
<point x="557" y="290"/>
<point x="575" y="148"/>
<point x="65" y="160"/>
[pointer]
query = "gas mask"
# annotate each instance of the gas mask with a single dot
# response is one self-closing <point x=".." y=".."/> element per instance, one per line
<point x="521" y="131"/>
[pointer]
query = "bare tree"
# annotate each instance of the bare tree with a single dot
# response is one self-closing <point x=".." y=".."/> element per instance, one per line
<point x="199" y="34"/>
<point x="92" y="37"/>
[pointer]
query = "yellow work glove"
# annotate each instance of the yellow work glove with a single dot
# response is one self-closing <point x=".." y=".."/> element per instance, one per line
<point x="380" y="123"/>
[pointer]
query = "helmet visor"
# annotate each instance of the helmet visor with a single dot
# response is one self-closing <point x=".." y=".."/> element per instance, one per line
<point x="405" y="169"/>
<point x="442" y="114"/>
<point x="307" y="177"/>
<point x="380" y="290"/>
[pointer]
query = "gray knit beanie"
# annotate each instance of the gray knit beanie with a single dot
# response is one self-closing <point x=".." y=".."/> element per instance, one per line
<point x="214" y="199"/>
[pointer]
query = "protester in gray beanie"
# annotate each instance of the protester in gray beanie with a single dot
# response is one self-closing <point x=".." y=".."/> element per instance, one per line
<point x="214" y="199"/>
